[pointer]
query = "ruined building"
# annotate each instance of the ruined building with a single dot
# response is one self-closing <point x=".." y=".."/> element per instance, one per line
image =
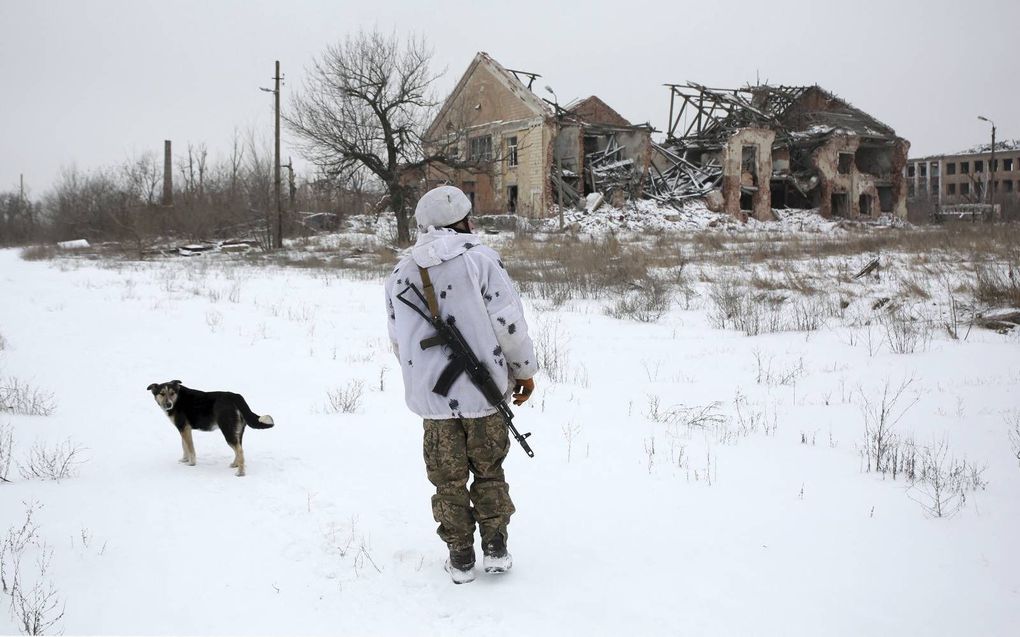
<point x="511" y="150"/>
<point x="964" y="177"/>
<point x="764" y="147"/>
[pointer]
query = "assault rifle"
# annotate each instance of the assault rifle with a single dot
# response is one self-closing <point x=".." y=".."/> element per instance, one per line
<point x="463" y="361"/>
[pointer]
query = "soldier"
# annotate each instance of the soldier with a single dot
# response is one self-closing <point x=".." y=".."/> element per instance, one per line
<point x="463" y="433"/>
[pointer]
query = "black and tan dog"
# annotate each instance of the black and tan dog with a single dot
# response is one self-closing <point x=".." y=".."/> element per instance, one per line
<point x="190" y="409"/>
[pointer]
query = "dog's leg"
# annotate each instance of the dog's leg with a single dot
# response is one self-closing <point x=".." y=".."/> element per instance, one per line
<point x="189" y="445"/>
<point x="238" y="459"/>
<point x="184" y="446"/>
<point x="232" y="427"/>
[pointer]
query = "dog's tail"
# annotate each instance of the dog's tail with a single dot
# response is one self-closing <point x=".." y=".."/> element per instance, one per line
<point x="252" y="419"/>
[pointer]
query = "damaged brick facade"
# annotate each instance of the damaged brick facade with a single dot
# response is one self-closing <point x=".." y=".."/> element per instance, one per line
<point x="769" y="148"/>
<point x="510" y="143"/>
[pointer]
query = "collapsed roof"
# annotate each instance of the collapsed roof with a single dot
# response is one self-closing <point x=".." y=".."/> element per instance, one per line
<point x="765" y="146"/>
<point x="704" y="117"/>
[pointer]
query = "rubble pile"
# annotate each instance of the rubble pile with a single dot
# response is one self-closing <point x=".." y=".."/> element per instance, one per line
<point x="680" y="181"/>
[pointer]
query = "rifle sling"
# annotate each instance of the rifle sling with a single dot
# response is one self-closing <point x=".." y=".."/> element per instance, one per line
<point x="430" y="292"/>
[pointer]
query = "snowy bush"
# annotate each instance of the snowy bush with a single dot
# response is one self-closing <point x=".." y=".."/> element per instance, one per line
<point x="942" y="481"/>
<point x="699" y="416"/>
<point x="51" y="463"/>
<point x="749" y="420"/>
<point x="39" y="607"/>
<point x="807" y="315"/>
<point x="20" y="398"/>
<point x="39" y="252"/>
<point x="995" y="288"/>
<point x="646" y="303"/>
<point x="738" y="307"/>
<point x="938" y="481"/>
<point x="904" y="334"/>
<point x="768" y="375"/>
<point x="883" y="448"/>
<point x="6" y="451"/>
<point x="551" y="347"/>
<point x="13" y="546"/>
<point x="570" y="431"/>
<point x="213" y="319"/>
<point x="1013" y="422"/>
<point x="346" y="399"/>
<point x="727" y="299"/>
<point x="35" y="606"/>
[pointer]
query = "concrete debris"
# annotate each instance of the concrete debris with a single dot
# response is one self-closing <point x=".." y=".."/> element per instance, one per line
<point x="673" y="179"/>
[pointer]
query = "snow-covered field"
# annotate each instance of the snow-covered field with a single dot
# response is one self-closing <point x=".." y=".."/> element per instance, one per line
<point x="688" y="480"/>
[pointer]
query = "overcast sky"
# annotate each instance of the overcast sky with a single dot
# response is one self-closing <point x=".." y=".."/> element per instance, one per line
<point x="91" y="83"/>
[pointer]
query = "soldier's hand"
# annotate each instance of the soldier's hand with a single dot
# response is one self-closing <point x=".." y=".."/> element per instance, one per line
<point x="523" y="387"/>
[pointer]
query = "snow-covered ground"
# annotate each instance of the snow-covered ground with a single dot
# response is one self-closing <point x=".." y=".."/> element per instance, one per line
<point x="635" y="517"/>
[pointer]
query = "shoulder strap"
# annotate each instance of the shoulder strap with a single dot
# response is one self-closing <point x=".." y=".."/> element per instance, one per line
<point x="430" y="292"/>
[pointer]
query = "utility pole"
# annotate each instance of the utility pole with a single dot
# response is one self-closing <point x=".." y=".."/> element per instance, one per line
<point x="278" y="242"/>
<point x="991" y="171"/>
<point x="991" y="164"/>
<point x="168" y="175"/>
<point x="277" y="237"/>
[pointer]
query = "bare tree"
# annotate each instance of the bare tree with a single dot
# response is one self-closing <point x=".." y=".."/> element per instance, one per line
<point x="367" y="102"/>
<point x="18" y="218"/>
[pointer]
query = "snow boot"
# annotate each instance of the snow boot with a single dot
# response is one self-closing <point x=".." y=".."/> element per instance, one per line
<point x="497" y="559"/>
<point x="461" y="565"/>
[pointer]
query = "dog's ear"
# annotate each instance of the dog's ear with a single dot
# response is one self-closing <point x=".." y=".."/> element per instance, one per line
<point x="152" y="387"/>
<point x="175" y="383"/>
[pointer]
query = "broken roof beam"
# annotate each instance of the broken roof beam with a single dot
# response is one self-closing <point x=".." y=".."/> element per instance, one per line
<point x="531" y="76"/>
<point x="710" y="114"/>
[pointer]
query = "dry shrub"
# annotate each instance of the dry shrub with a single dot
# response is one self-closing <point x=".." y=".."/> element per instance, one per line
<point x="35" y="604"/>
<point x="551" y="347"/>
<point x="698" y="416"/>
<point x="914" y="286"/>
<point x="346" y="399"/>
<point x="708" y="242"/>
<point x="984" y="240"/>
<point x="736" y="307"/>
<point x="567" y="268"/>
<point x="646" y="303"/>
<point x="1013" y="424"/>
<point x="18" y="397"/>
<point x="6" y="451"/>
<point x="51" y="463"/>
<point x="943" y="481"/>
<point x="768" y="283"/>
<point x="41" y="252"/>
<point x="993" y="287"/>
<point x="905" y="334"/>
<point x="788" y="279"/>
<point x="886" y="451"/>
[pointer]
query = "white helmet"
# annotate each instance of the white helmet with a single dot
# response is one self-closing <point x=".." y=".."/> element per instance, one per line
<point x="442" y="206"/>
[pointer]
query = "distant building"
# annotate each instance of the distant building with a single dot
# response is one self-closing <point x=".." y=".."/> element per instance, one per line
<point x="964" y="177"/>
<point x="513" y="151"/>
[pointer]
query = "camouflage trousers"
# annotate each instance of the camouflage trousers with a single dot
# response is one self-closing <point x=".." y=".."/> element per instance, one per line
<point x="455" y="449"/>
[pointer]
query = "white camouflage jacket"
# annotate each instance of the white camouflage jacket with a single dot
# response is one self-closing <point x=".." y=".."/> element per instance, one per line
<point x="474" y="292"/>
